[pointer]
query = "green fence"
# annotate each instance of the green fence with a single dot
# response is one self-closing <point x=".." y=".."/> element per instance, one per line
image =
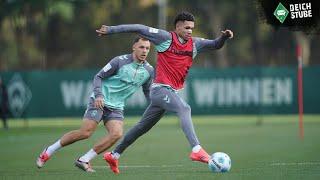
<point x="257" y="90"/>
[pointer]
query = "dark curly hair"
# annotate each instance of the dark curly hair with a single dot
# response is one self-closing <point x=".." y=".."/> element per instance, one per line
<point x="183" y="16"/>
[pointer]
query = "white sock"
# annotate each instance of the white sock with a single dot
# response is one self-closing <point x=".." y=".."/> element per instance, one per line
<point x="196" y="148"/>
<point x="88" y="156"/>
<point x="53" y="148"/>
<point x="115" y="155"/>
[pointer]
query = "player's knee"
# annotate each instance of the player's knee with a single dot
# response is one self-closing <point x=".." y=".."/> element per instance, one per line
<point x="116" y="135"/>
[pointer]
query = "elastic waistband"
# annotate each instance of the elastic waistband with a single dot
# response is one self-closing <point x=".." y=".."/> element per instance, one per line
<point x="165" y="86"/>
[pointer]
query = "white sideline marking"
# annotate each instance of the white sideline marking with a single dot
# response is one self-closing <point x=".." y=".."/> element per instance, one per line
<point x="295" y="163"/>
<point x="141" y="166"/>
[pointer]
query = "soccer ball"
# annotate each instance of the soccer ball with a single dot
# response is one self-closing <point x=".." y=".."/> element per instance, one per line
<point x="219" y="162"/>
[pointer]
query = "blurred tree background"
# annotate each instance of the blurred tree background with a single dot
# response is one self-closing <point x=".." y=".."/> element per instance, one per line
<point x="60" y="34"/>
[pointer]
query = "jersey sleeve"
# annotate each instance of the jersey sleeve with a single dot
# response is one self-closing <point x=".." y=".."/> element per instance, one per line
<point x="107" y="71"/>
<point x="146" y="86"/>
<point x="202" y="44"/>
<point x="156" y="36"/>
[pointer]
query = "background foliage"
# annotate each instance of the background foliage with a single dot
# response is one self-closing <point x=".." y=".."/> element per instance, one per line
<point x="60" y="34"/>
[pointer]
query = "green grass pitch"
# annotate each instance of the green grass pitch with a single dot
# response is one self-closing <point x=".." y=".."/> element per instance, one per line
<point x="272" y="150"/>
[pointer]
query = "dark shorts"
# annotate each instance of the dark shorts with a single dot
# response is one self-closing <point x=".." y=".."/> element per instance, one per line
<point x="97" y="114"/>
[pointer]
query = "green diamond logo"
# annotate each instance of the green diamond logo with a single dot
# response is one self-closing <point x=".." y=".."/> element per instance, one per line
<point x="281" y="13"/>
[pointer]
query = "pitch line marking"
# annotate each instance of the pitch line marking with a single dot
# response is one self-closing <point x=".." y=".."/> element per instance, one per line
<point x="141" y="166"/>
<point x="294" y="163"/>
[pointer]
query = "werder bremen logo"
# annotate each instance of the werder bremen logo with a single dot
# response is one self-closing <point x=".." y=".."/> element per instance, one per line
<point x="281" y="13"/>
<point x="19" y="95"/>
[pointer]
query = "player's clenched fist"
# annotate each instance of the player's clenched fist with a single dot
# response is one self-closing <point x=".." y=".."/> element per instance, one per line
<point x="99" y="103"/>
<point x="228" y="33"/>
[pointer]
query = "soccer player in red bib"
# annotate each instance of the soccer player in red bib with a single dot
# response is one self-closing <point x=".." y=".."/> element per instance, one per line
<point x="176" y="51"/>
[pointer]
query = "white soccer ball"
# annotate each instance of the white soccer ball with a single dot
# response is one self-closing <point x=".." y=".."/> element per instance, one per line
<point x="219" y="162"/>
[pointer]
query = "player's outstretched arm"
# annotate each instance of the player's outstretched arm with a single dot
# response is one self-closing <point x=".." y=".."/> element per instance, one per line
<point x="207" y="44"/>
<point x="156" y="36"/>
